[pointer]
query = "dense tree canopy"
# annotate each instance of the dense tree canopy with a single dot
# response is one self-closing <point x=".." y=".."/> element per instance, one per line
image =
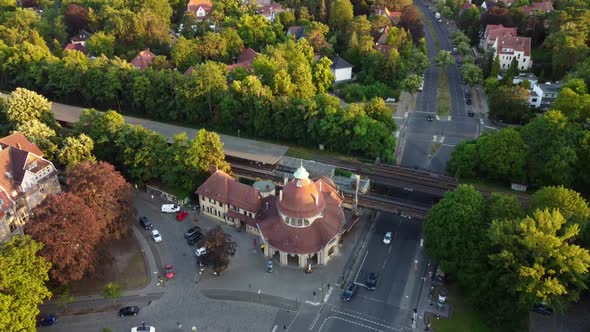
<point x="219" y="248"/>
<point x="23" y="275"/>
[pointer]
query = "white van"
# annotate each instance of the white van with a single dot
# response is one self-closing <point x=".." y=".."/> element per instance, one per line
<point x="170" y="208"/>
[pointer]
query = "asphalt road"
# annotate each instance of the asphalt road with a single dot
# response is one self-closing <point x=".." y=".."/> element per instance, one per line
<point x="427" y="144"/>
<point x="389" y="307"/>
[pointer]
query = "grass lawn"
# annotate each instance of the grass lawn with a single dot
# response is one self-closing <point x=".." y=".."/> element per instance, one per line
<point x="463" y="318"/>
<point x="495" y="187"/>
<point x="312" y="154"/>
<point x="127" y="269"/>
<point x="443" y="97"/>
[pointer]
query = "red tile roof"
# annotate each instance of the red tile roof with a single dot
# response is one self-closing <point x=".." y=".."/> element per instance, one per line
<point x="194" y="5"/>
<point x="518" y="44"/>
<point x="143" y="59"/>
<point x="274" y="7"/>
<point x="223" y="188"/>
<point x="76" y="47"/>
<point x="493" y="31"/>
<point x="301" y="199"/>
<point x="542" y="7"/>
<point x="20" y="141"/>
<point x="244" y="59"/>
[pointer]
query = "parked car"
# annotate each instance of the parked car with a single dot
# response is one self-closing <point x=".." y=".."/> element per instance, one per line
<point x="387" y="238"/>
<point x="543" y="309"/>
<point x="467" y="95"/>
<point x="371" y="283"/>
<point x="194" y="238"/>
<point x="144" y="328"/>
<point x="129" y="311"/>
<point x="169" y="270"/>
<point x="48" y="320"/>
<point x="145" y="223"/>
<point x="170" y="208"/>
<point x="429" y="117"/>
<point x="201" y="251"/>
<point x="191" y="231"/>
<point x="180" y="216"/>
<point x="156" y="235"/>
<point x="349" y="292"/>
<point x="470" y="114"/>
<point x="468" y="101"/>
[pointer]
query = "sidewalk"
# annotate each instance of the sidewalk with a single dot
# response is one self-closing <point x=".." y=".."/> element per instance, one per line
<point x="97" y="303"/>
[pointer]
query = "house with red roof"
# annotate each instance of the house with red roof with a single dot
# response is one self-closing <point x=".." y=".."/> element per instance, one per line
<point x="76" y="47"/>
<point x="270" y="11"/>
<point x="26" y="178"/>
<point x="394" y="17"/>
<point x="505" y="44"/>
<point x="143" y="60"/>
<point x="299" y="227"/>
<point x="200" y="8"/>
<point x="244" y="60"/>
<point x="538" y="8"/>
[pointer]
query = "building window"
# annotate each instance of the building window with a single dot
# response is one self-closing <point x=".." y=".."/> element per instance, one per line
<point x="203" y="198"/>
<point x="534" y="100"/>
<point x="220" y="205"/>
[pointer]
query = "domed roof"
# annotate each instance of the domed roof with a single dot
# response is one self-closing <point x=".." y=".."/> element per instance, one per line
<point x="301" y="197"/>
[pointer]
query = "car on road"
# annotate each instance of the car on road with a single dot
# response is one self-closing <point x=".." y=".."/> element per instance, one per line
<point x="48" y="320"/>
<point x="196" y="237"/>
<point x="201" y="251"/>
<point x="169" y="271"/>
<point x="129" y="311"/>
<point x="191" y="231"/>
<point x="470" y="114"/>
<point x="371" y="282"/>
<point x="156" y="236"/>
<point x="144" y="328"/>
<point x="350" y="291"/>
<point x="429" y="117"/>
<point x="387" y="238"/>
<point x="467" y="95"/>
<point x="468" y="101"/>
<point x="180" y="216"/>
<point x="543" y="309"/>
<point x="170" y="208"/>
<point x="145" y="223"/>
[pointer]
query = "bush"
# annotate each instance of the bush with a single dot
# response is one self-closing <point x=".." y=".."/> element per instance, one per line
<point x="352" y="92"/>
<point x="342" y="172"/>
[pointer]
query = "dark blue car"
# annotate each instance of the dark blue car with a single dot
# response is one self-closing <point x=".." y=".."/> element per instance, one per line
<point x="48" y="320"/>
<point x="349" y="292"/>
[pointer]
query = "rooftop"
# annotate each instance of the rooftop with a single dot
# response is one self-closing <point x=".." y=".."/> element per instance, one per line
<point x="340" y="63"/>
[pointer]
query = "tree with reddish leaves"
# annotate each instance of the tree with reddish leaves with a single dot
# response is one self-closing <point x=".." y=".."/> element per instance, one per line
<point x="219" y="248"/>
<point x="70" y="232"/>
<point x="76" y="18"/>
<point x="410" y="20"/>
<point x="105" y="192"/>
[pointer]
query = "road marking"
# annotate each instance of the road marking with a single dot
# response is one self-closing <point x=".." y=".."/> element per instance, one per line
<point x="434" y="138"/>
<point x="372" y="299"/>
<point x="389" y="251"/>
<point x="396" y="133"/>
<point x="481" y="121"/>
<point x="361" y="267"/>
<point x="437" y="117"/>
<point x="365" y="320"/>
<point x="405" y="114"/>
<point x="491" y="127"/>
<point x="316" y="318"/>
<point x="352" y="322"/>
<point x="397" y="117"/>
<point x="442" y="139"/>
<point x="275" y="328"/>
<point x="421" y="242"/>
<point x="449" y="145"/>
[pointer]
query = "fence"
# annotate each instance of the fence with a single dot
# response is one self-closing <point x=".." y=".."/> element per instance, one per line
<point x="164" y="195"/>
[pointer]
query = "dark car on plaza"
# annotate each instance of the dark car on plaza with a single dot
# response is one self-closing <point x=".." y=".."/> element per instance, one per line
<point x="543" y="309"/>
<point x="470" y="114"/>
<point x="48" y="320"/>
<point x="429" y="117"/>
<point x="145" y="223"/>
<point x="194" y="238"/>
<point x="468" y="101"/>
<point x="191" y="231"/>
<point x="371" y="283"/>
<point x="350" y="291"/>
<point x="129" y="311"/>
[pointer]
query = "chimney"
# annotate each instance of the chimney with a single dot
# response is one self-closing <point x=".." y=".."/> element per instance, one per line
<point x="320" y="186"/>
<point x="213" y="169"/>
<point x="285" y="179"/>
<point x="316" y="199"/>
<point x="280" y="195"/>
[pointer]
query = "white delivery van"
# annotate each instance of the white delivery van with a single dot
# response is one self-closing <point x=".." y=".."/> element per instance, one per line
<point x="437" y="16"/>
<point x="170" y="208"/>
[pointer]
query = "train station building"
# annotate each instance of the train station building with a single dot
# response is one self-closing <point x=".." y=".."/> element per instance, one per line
<point x="298" y="226"/>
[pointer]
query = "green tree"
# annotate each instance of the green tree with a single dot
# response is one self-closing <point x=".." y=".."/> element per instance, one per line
<point x="572" y="206"/>
<point x="100" y="43"/>
<point x="76" y="150"/>
<point x="206" y="83"/>
<point x="209" y="152"/>
<point x="471" y="74"/>
<point x="463" y="162"/>
<point x="41" y="135"/>
<point x="25" y="105"/>
<point x="444" y="58"/>
<point x="501" y="207"/>
<point x="454" y="229"/>
<point x="112" y="291"/>
<point x="23" y="275"/>
<point x="184" y="54"/>
<point x="322" y="75"/>
<point x="509" y="104"/>
<point x="341" y="15"/>
<point x="411" y="84"/>
<point x="469" y="22"/>
<point x="536" y="257"/>
<point x="502" y="155"/>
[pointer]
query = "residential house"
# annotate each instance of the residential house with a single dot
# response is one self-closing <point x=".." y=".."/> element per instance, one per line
<point x="300" y="227"/>
<point x="504" y="43"/>
<point x="297" y="31"/>
<point x="26" y="178"/>
<point x="380" y="39"/>
<point x="544" y="94"/>
<point x="538" y="8"/>
<point x="341" y="69"/>
<point x="143" y="60"/>
<point x="244" y="60"/>
<point x="200" y="8"/>
<point x="81" y="37"/>
<point x="271" y="10"/>
<point x="76" y="47"/>
<point x="394" y="17"/>
<point x="532" y="78"/>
